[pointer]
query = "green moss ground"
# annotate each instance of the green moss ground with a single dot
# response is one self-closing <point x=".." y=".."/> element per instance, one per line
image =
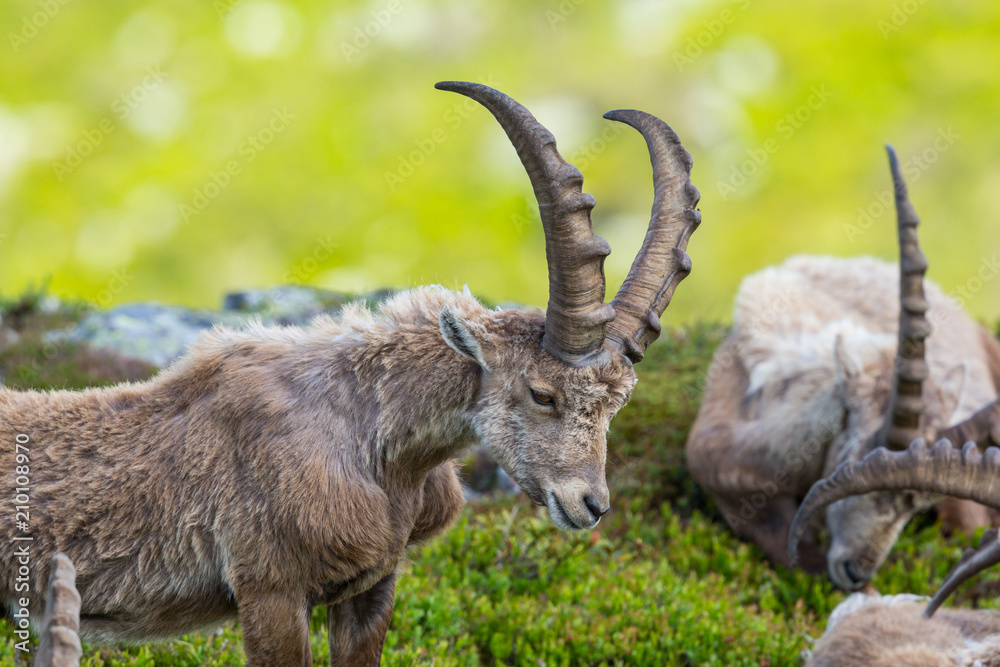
<point x="663" y="582"/>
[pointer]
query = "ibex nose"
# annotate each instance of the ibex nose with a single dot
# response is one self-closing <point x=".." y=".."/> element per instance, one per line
<point x="845" y="574"/>
<point x="595" y="507"/>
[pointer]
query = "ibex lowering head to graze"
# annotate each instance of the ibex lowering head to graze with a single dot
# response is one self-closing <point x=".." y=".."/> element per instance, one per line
<point x="925" y="473"/>
<point x="900" y="475"/>
<point x="806" y="381"/>
<point x="889" y="631"/>
<point x="274" y="469"/>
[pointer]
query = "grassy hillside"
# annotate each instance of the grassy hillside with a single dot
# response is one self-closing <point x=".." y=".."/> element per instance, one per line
<point x="662" y="582"/>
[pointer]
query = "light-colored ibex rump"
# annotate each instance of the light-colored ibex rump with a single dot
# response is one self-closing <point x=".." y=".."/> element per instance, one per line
<point x="274" y="469"/>
<point x="805" y="381"/>
<point x="889" y="631"/>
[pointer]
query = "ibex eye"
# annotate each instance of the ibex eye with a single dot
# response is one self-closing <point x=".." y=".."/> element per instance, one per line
<point x="542" y="399"/>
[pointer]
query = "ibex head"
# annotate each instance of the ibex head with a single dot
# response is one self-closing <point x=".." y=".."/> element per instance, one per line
<point x="868" y="503"/>
<point x="551" y="383"/>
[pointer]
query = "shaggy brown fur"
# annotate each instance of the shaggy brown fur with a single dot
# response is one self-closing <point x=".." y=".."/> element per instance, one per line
<point x="889" y="631"/>
<point x="274" y="469"/>
<point x="801" y="384"/>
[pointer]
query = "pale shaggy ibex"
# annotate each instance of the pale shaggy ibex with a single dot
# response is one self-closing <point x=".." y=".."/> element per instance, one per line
<point x="901" y="466"/>
<point x="805" y="381"/>
<point x="889" y="631"/>
<point x="273" y="469"/>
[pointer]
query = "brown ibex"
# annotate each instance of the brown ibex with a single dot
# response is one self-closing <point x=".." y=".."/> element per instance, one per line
<point x="806" y="381"/>
<point x="889" y="631"/>
<point x="274" y="469"/>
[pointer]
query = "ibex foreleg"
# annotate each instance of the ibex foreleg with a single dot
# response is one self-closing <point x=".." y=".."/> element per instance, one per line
<point x="357" y="625"/>
<point x="732" y="455"/>
<point x="275" y="629"/>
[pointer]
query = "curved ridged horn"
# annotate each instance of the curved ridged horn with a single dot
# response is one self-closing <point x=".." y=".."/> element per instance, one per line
<point x="982" y="428"/>
<point x="973" y="561"/>
<point x="59" y="641"/>
<point x="944" y="470"/>
<point x="576" y="316"/>
<point x="662" y="261"/>
<point x="906" y="406"/>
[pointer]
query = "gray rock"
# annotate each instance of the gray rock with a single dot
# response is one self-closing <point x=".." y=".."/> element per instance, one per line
<point x="155" y="333"/>
<point x="482" y="475"/>
<point x="288" y="304"/>
<point x="504" y="482"/>
<point x="295" y="304"/>
<point x="158" y="333"/>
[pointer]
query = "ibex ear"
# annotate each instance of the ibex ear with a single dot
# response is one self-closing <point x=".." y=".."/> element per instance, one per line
<point x="842" y="361"/>
<point x="458" y="334"/>
<point x="952" y="389"/>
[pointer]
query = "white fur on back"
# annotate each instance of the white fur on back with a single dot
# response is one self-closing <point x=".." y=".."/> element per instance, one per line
<point x="788" y="317"/>
<point x="858" y="601"/>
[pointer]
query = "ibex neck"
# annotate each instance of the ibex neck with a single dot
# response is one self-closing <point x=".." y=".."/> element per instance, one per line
<point x="424" y="389"/>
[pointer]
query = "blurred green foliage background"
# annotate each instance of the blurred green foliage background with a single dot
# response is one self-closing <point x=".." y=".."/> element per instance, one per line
<point x="174" y="149"/>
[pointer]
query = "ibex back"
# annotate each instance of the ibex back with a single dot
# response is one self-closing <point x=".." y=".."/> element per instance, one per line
<point x="889" y="631"/>
<point x="270" y="470"/>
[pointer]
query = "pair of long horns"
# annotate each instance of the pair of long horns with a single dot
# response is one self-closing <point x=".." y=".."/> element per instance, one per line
<point x="580" y="328"/>
<point x="942" y="469"/>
